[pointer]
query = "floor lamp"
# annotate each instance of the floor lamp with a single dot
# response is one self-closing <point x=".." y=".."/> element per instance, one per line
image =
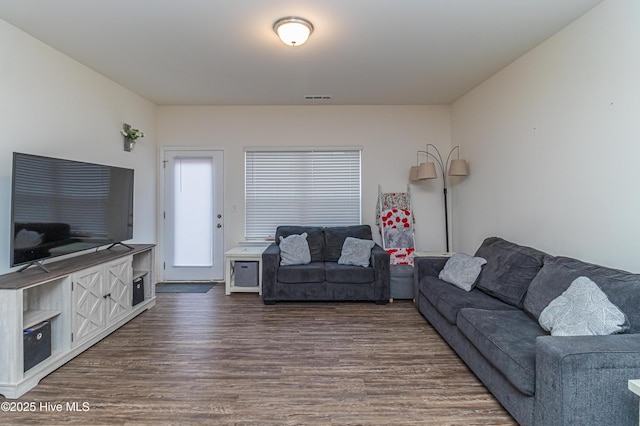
<point x="451" y="167"/>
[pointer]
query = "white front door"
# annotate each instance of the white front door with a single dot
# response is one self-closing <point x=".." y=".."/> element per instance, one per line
<point x="193" y="206"/>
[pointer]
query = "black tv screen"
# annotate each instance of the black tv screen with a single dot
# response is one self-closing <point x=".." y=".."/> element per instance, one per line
<point x="60" y="207"/>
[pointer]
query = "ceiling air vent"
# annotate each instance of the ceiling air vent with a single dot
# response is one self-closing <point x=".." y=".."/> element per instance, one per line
<point x="317" y="97"/>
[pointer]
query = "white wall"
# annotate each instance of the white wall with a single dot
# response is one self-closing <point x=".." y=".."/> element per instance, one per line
<point x="389" y="135"/>
<point x="553" y="142"/>
<point x="51" y="105"/>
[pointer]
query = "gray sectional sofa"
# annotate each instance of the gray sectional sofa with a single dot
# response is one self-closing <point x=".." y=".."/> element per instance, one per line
<point x="540" y="379"/>
<point x="324" y="279"/>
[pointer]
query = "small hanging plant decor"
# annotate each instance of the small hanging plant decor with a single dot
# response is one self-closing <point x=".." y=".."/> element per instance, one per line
<point x="130" y="136"/>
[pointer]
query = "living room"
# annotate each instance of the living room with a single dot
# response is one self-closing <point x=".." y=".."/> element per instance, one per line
<point x="565" y="107"/>
<point x="551" y="140"/>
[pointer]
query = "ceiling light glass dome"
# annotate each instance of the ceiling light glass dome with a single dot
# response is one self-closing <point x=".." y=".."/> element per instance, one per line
<point x="292" y="30"/>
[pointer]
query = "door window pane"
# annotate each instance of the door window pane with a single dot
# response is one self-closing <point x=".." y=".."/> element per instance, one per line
<point x="193" y="201"/>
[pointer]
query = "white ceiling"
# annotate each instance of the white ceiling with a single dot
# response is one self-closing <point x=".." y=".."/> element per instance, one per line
<point x="362" y="52"/>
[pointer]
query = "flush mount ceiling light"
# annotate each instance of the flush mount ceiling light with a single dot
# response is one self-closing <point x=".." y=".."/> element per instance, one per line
<point x="292" y="30"/>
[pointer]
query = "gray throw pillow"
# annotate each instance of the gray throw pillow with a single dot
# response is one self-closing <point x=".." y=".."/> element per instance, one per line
<point x="294" y="250"/>
<point x="583" y="310"/>
<point x="462" y="270"/>
<point x="356" y="252"/>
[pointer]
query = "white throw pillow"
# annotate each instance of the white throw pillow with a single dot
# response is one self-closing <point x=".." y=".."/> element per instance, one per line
<point x="583" y="310"/>
<point x="294" y="250"/>
<point x="462" y="270"/>
<point x="356" y="252"/>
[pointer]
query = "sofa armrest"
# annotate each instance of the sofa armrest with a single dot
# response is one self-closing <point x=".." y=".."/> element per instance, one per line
<point x="424" y="266"/>
<point x="270" y="264"/>
<point x="380" y="261"/>
<point x="428" y="265"/>
<point x="584" y="380"/>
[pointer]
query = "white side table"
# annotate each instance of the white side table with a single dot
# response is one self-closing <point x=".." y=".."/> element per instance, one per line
<point x="250" y="254"/>
<point x="634" y="386"/>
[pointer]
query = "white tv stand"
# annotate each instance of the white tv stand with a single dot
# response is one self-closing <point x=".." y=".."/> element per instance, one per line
<point x="85" y="298"/>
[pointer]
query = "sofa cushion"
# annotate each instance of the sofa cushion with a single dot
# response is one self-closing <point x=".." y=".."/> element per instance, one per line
<point x="334" y="239"/>
<point x="507" y="340"/>
<point x="337" y="273"/>
<point x="509" y="270"/>
<point x="622" y="288"/>
<point x="315" y="239"/>
<point x="462" y="270"/>
<point x="294" y="250"/>
<point x="311" y="273"/>
<point x="449" y="299"/>
<point x="583" y="310"/>
<point x="356" y="252"/>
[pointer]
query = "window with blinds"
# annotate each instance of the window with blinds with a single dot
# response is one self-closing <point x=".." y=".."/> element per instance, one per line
<point x="301" y="187"/>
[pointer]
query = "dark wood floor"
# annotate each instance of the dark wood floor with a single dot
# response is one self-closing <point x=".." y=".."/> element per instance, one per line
<point x="216" y="359"/>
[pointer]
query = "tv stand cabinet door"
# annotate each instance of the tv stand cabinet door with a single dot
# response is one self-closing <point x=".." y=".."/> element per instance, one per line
<point x="88" y="304"/>
<point x="119" y="285"/>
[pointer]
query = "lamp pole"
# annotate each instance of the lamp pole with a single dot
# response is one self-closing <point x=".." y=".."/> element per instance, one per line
<point x="444" y="169"/>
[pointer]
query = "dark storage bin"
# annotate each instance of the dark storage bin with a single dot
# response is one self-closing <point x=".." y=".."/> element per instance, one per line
<point x="401" y="281"/>
<point x="246" y="273"/>
<point x="138" y="290"/>
<point x="37" y="344"/>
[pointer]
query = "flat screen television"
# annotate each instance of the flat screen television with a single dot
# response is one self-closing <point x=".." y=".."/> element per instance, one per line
<point x="61" y="206"/>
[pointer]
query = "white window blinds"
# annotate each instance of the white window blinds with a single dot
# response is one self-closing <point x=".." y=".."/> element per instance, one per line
<point x="301" y="187"/>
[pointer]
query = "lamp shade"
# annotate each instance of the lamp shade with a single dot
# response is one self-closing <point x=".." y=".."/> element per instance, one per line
<point x="427" y="171"/>
<point x="413" y="173"/>
<point x="458" y="168"/>
<point x="292" y="30"/>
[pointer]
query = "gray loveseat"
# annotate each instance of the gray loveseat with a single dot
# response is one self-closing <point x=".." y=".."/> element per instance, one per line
<point x="324" y="279"/>
<point x="540" y="379"/>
